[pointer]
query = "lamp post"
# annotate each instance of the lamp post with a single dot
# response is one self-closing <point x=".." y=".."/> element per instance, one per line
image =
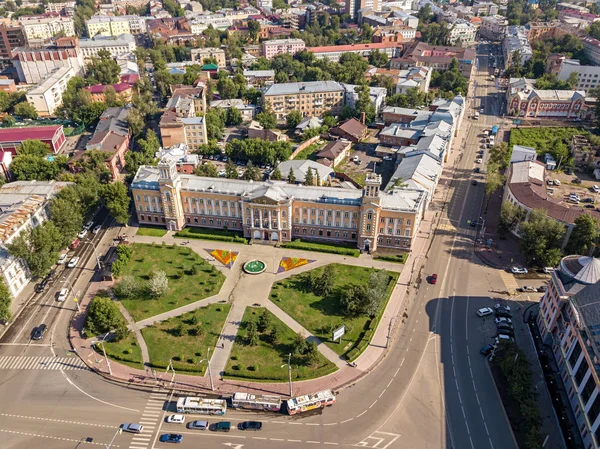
<point x="76" y="294"/>
<point x="289" y="365"/>
<point x="89" y="242"/>
<point x="104" y="351"/>
<point x="482" y="220"/>
<point x="118" y="432"/>
<point x="212" y="387"/>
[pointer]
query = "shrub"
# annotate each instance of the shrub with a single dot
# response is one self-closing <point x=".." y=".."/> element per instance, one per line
<point x="127" y="288"/>
<point x="253" y="368"/>
<point x="158" y="284"/>
<point x="123" y="255"/>
<point x="193" y="270"/>
<point x="397" y="258"/>
<point x="309" y="246"/>
<point x="236" y="367"/>
<point x="178" y="331"/>
<point x="195" y="331"/>
<point x="103" y="316"/>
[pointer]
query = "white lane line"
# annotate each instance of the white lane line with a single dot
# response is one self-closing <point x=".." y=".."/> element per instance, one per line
<point x="295" y="441"/>
<point x="37" y="435"/>
<point x="347" y="420"/>
<point x="382" y="392"/>
<point x="374" y="402"/>
<point x="330" y="424"/>
<point x="327" y="442"/>
<point x="276" y="439"/>
<point x="358" y="416"/>
<point x="313" y="442"/>
<point x="390" y="383"/>
<point x="258" y="438"/>
<point x="296" y="423"/>
<point x="312" y="424"/>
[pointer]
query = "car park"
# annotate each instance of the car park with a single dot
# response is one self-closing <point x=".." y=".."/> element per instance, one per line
<point x="221" y="426"/>
<point x="171" y="438"/>
<point x="62" y="294"/>
<point x="486" y="349"/>
<point x="199" y="425"/>
<point x="62" y="258"/>
<point x="132" y="428"/>
<point x="73" y="262"/>
<point x="176" y="419"/>
<point x="250" y="425"/>
<point x="485" y="311"/>
<point x="39" y="332"/>
<point x="519" y="270"/>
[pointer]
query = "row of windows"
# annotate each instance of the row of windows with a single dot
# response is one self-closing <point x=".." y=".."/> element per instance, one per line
<point x="322" y="233"/>
<point x="390" y="231"/>
<point x="397" y="242"/>
<point x="211" y="222"/>
<point x="321" y="222"/>
<point x="391" y="221"/>
<point x="321" y="212"/>
<point x="225" y="213"/>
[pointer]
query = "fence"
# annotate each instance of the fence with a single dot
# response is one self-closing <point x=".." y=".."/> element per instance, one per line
<point x="304" y="145"/>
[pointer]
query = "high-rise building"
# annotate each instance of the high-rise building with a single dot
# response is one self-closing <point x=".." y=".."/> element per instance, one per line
<point x="11" y="37"/>
<point x="353" y="6"/>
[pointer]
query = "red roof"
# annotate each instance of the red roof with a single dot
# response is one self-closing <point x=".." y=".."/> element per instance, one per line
<point x="355" y="47"/>
<point x="131" y="78"/>
<point x="21" y="134"/>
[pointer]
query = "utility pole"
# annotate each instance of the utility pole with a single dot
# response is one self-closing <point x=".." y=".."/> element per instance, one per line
<point x="289" y="365"/>
<point x="104" y="352"/>
<point x="212" y="387"/>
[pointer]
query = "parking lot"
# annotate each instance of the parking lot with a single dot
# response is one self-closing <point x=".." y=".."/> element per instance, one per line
<point x="572" y="187"/>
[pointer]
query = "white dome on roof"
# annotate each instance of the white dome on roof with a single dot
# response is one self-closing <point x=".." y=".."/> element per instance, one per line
<point x="582" y="269"/>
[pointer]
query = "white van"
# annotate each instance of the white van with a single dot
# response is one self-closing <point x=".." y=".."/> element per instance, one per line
<point x="502" y="337"/>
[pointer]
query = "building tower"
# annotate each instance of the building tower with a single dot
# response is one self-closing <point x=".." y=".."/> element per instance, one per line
<point x="170" y="191"/>
<point x="369" y="213"/>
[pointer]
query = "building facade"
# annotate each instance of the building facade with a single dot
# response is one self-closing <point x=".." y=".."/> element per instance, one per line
<point x="312" y="98"/>
<point x="588" y="76"/>
<point x="11" y="37"/>
<point x="493" y="27"/>
<point x="46" y="27"/>
<point x="272" y="48"/>
<point x="334" y="52"/>
<point x="591" y="48"/>
<point x="436" y="57"/>
<point x="119" y="45"/>
<point x="35" y="64"/>
<point x="46" y="97"/>
<point x="200" y="54"/>
<point x="279" y="212"/>
<point x="112" y="25"/>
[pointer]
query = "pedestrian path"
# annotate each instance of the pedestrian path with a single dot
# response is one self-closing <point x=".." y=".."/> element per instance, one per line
<point x="150" y="416"/>
<point x="48" y="363"/>
<point x="509" y="281"/>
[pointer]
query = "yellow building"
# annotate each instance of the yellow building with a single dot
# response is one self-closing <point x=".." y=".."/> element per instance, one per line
<point x="312" y="99"/>
<point x="279" y="212"/>
<point x="108" y="26"/>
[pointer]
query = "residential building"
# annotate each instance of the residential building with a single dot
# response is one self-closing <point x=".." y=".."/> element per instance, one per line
<point x="308" y="123"/>
<point x="354" y="6"/>
<point x="12" y="138"/>
<point x="568" y="321"/>
<point x="588" y="76"/>
<point x="485" y="8"/>
<point x="63" y="8"/>
<point x="413" y="78"/>
<point x="585" y="19"/>
<point x="41" y="27"/>
<point x="493" y="27"/>
<point x="248" y="111"/>
<point x="35" y="64"/>
<point x="334" y="52"/>
<point x="591" y="48"/>
<point x="259" y="78"/>
<point x="176" y="31"/>
<point x="313" y="98"/>
<point x="521" y="153"/>
<point x="279" y="212"/>
<point x="7" y="85"/>
<point x="23" y="205"/>
<point x="256" y="131"/>
<point x="115" y="25"/>
<point x="112" y="137"/>
<point x="377" y="95"/>
<point x="393" y="34"/>
<point x="199" y="55"/>
<point x="197" y="93"/>
<point x="352" y="130"/>
<point x="419" y="170"/>
<point x="398" y="135"/>
<point x="516" y="42"/>
<point x="116" y="45"/>
<point x="462" y="32"/>
<point x="272" y="48"/>
<point x="46" y="97"/>
<point x="321" y="173"/>
<point x="585" y="154"/>
<point x="11" y="37"/>
<point x="262" y="4"/>
<point x="435" y="57"/>
<point x="124" y="89"/>
<point x="334" y="153"/>
<point x="177" y="128"/>
<point x="544" y="30"/>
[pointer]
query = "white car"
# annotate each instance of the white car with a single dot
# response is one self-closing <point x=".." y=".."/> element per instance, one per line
<point x="97" y="229"/>
<point x="485" y="311"/>
<point x="132" y="428"/>
<point x="222" y="174"/>
<point x="502" y="319"/>
<point x="556" y="182"/>
<point x="62" y="258"/>
<point x="88" y="225"/>
<point x="596" y="188"/>
<point x="62" y="294"/>
<point x="73" y="262"/>
<point x="176" y="419"/>
<point x="479" y="161"/>
<point x="549" y="270"/>
<point x="82" y="233"/>
<point x="519" y="270"/>
<point x="502" y="307"/>
<point x="387" y="158"/>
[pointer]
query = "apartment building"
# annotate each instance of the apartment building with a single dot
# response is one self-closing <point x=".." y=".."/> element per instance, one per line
<point x="493" y="27"/>
<point x="435" y="57"/>
<point x="272" y="48"/>
<point x="516" y="40"/>
<point x="63" y="8"/>
<point x="46" y="97"/>
<point x="312" y="98"/>
<point x="568" y="321"/>
<point x="462" y="32"/>
<point x="591" y="48"/>
<point x="40" y="27"/>
<point x="11" y="37"/>
<point x="279" y="212"/>
<point x="35" y="64"/>
<point x="354" y="6"/>
<point x="485" y="8"/>
<point x="398" y="33"/>
<point x="376" y="94"/>
<point x="179" y="123"/>
<point x="115" y="25"/>
<point x="116" y="45"/>
<point x="199" y="55"/>
<point x="334" y="52"/>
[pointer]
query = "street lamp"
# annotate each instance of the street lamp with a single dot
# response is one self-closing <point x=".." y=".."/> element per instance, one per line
<point x="212" y="387"/>
<point x="118" y="432"/>
<point x="89" y="242"/>
<point x="289" y="365"/>
<point x="75" y="293"/>
<point x="104" y="351"/>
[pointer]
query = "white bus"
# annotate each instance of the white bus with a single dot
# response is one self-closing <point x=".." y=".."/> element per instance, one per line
<point x="201" y="406"/>
<point x="322" y="399"/>
<point x="256" y="402"/>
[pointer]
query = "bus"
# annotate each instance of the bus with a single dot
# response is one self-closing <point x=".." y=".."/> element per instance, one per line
<point x="201" y="406"/>
<point x="322" y="399"/>
<point x="256" y="402"/>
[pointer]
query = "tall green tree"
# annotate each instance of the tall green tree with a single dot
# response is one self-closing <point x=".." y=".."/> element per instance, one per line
<point x="231" y="170"/>
<point x="5" y="300"/>
<point x="33" y="148"/>
<point x="234" y="117"/>
<point x="511" y="216"/>
<point x="116" y="199"/>
<point x="26" y="110"/>
<point x="207" y="169"/>
<point x="267" y="120"/>
<point x="276" y="175"/>
<point x="584" y="237"/>
<point x="291" y="177"/>
<point x="103" y="69"/>
<point x="309" y="179"/>
<point x="293" y="119"/>
<point x="541" y="239"/>
<point x="67" y="217"/>
<point x="252" y="173"/>
<point x="39" y="248"/>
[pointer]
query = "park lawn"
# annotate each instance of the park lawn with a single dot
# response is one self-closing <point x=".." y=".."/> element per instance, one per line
<point x="263" y="361"/>
<point x="126" y="351"/>
<point x="184" y="287"/>
<point x="186" y="351"/>
<point x="151" y="231"/>
<point x="320" y="315"/>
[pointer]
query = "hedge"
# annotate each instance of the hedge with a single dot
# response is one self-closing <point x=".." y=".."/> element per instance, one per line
<point x="397" y="258"/>
<point x="188" y="368"/>
<point x="321" y="247"/>
<point x="260" y="377"/>
<point x="186" y="233"/>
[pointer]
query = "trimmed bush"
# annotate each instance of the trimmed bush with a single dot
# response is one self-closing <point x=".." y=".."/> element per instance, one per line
<point x="323" y="248"/>
<point x="396" y="258"/>
<point x="210" y="234"/>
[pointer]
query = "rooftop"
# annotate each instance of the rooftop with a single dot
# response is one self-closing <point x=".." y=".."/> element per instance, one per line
<point x="304" y="87"/>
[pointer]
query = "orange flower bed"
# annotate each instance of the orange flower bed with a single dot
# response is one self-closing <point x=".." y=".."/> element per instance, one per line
<point x="227" y="258"/>
<point x="289" y="263"/>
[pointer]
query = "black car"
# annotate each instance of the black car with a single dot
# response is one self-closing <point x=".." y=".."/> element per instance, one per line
<point x="587" y="200"/>
<point x="505" y="326"/>
<point x="486" y="350"/>
<point x="41" y="286"/>
<point x="477" y="169"/>
<point x="251" y="425"/>
<point x="39" y="332"/>
<point x="503" y="313"/>
<point x="474" y="182"/>
<point x="508" y="332"/>
<point x="542" y="289"/>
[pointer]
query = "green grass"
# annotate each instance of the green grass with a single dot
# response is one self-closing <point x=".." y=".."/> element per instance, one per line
<point x="211" y="234"/>
<point x="126" y="351"/>
<point x="263" y="361"/>
<point x="186" y="350"/>
<point x="397" y="258"/>
<point x="151" y="231"/>
<point x="553" y="140"/>
<point x="184" y="287"/>
<point x="333" y="248"/>
<point x="310" y="152"/>
<point x="319" y="315"/>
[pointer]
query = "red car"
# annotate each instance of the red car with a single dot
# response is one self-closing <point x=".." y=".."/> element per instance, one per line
<point x="433" y="278"/>
<point x="75" y="244"/>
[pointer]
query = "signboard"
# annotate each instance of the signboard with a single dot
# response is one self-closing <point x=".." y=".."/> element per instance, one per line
<point x="338" y="333"/>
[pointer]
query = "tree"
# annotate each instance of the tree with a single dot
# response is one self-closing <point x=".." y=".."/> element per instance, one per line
<point x="291" y="178"/>
<point x="158" y="285"/>
<point x="28" y="167"/>
<point x="293" y="118"/>
<point x="8" y="121"/>
<point x="26" y="110"/>
<point x="103" y="69"/>
<point x="67" y="217"/>
<point x="234" y="117"/>
<point x="227" y="88"/>
<point x="541" y="239"/>
<point x="127" y="287"/>
<point x="5" y="299"/>
<point x="267" y="120"/>
<point x="33" y="148"/>
<point x="38" y="247"/>
<point x="264" y="321"/>
<point x="215" y="123"/>
<point x="276" y="175"/>
<point x="493" y="181"/>
<point x="252" y="173"/>
<point x="136" y="122"/>
<point x="231" y="170"/>
<point x="364" y="103"/>
<point x="103" y="316"/>
<point x="116" y="199"/>
<point x="207" y="169"/>
<point x="584" y="237"/>
<point x="511" y="216"/>
<point x="378" y="58"/>
<point x="252" y="334"/>
<point x="323" y="285"/>
<point x="309" y="179"/>
<point x="253" y="29"/>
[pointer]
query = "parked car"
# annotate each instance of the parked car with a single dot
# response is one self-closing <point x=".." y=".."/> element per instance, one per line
<point x="82" y="233"/>
<point x="75" y="244"/>
<point x="503" y="313"/>
<point x="176" y="419"/>
<point x="73" y="262"/>
<point x="485" y="311"/>
<point x="250" y="425"/>
<point x="171" y="438"/>
<point x="433" y="278"/>
<point x="486" y="349"/>
<point x="479" y="161"/>
<point x="132" y="428"/>
<point x="474" y="182"/>
<point x="62" y="294"/>
<point x="62" y="258"/>
<point x="502" y="337"/>
<point x="587" y="200"/>
<point x="542" y="289"/>
<point x="502" y="307"/>
<point x="504" y="326"/>
<point x="556" y="182"/>
<point x="199" y="425"/>
<point x="507" y="332"/>
<point x="97" y="229"/>
<point x="41" y="286"/>
<point x="388" y="158"/>
<point x="221" y="426"/>
<point x="527" y="288"/>
<point x="519" y="270"/>
<point x="596" y="188"/>
<point x="549" y="270"/>
<point x="39" y="332"/>
<point x="503" y="320"/>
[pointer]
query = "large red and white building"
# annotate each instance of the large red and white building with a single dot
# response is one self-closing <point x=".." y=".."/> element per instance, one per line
<point x="334" y="52"/>
<point x="11" y="138"/>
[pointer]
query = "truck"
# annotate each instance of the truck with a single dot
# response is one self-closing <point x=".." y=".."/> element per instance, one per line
<point x="494" y="130"/>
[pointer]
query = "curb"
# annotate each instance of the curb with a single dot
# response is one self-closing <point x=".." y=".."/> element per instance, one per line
<point x="487" y="262"/>
<point x="512" y="433"/>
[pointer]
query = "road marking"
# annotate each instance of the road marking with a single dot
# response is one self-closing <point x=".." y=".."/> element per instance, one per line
<point x="258" y="438"/>
<point x="358" y="416"/>
<point x="94" y="398"/>
<point x="37" y="435"/>
<point x="10" y="362"/>
<point x="313" y="442"/>
<point x="295" y="441"/>
<point x="311" y="424"/>
<point x="382" y="392"/>
<point x="374" y="402"/>
<point x="8" y="415"/>
<point x="276" y="439"/>
<point x="390" y="383"/>
<point x="347" y="420"/>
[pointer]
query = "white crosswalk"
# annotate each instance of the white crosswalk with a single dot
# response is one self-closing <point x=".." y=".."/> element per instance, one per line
<point x="151" y="415"/>
<point x="10" y="362"/>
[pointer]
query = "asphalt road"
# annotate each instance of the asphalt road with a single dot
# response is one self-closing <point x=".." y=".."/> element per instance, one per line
<point x="433" y="390"/>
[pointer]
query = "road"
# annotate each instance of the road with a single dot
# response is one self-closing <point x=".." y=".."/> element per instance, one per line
<point x="433" y="390"/>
